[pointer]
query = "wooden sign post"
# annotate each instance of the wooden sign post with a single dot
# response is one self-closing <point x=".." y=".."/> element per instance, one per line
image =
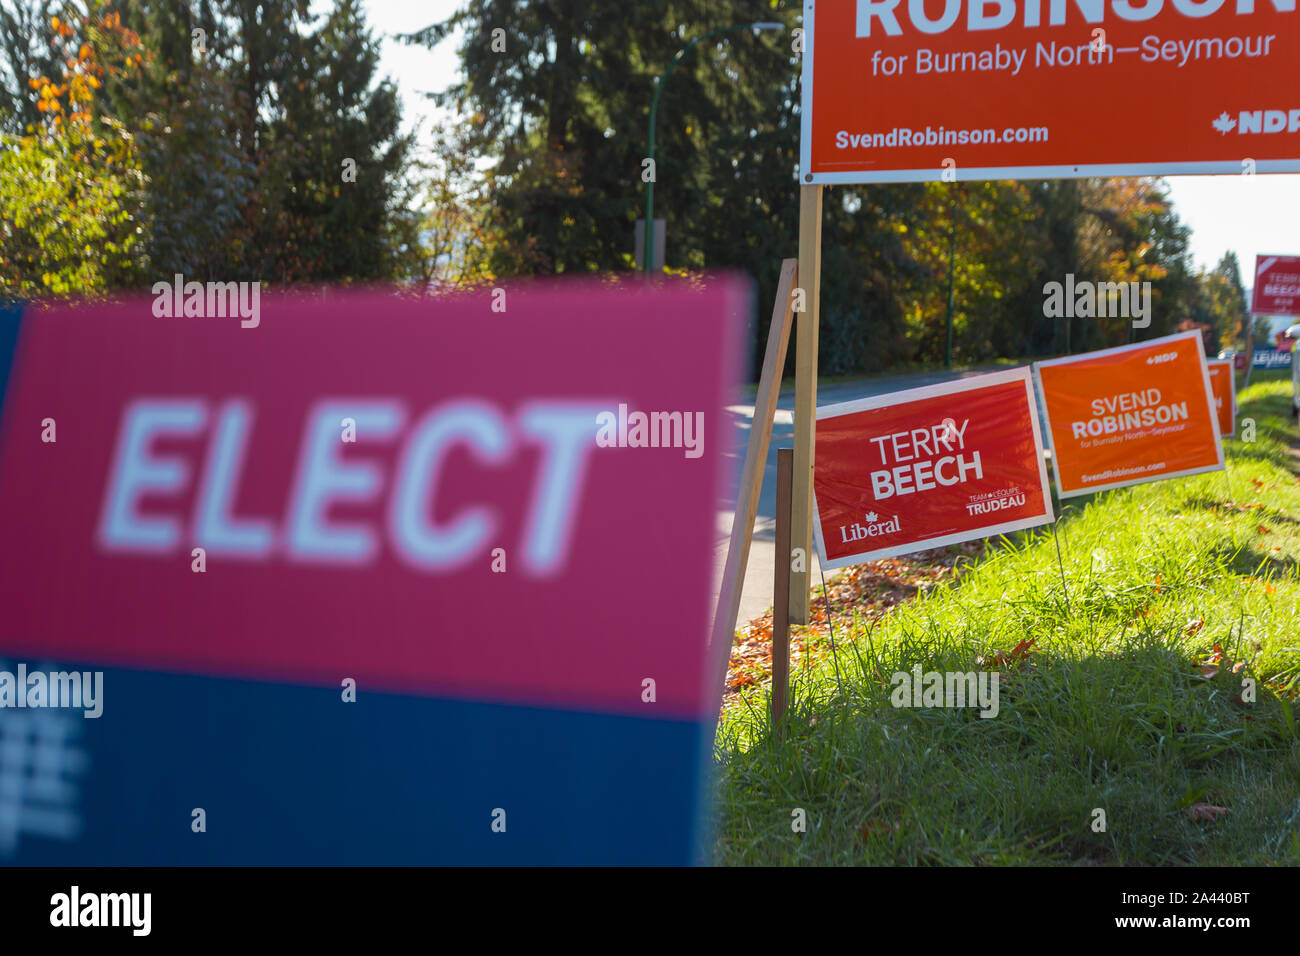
<point x="781" y="592"/>
<point x="751" y="478"/>
<point x="805" y="397"/>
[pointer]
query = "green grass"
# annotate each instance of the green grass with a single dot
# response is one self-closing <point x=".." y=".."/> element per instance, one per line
<point x="1111" y="710"/>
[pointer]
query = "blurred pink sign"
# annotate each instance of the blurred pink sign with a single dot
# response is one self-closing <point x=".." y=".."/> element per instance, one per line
<point x="508" y="496"/>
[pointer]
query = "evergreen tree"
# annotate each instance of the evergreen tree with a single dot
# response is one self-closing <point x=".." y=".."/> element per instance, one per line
<point x="339" y="158"/>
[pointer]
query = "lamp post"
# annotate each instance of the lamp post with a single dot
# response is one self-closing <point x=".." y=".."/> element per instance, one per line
<point x="654" y="109"/>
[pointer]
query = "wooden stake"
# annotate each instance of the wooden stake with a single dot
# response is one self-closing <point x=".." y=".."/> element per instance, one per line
<point x="781" y="590"/>
<point x="751" y="478"/>
<point x="805" y="389"/>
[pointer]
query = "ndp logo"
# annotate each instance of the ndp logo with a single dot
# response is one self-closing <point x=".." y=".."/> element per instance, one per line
<point x="1259" y="121"/>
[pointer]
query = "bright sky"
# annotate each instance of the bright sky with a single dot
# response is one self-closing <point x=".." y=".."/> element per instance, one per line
<point x="1251" y="215"/>
<point x="415" y="69"/>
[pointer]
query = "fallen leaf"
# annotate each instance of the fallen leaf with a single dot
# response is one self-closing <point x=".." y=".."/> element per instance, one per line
<point x="876" y="827"/>
<point x="1023" y="648"/>
<point x="1205" y="811"/>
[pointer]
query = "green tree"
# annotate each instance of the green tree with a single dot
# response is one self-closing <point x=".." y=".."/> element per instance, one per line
<point x="182" y="107"/>
<point x="1228" y="296"/>
<point x="27" y="50"/>
<point x="69" y="191"/>
<point x="271" y="150"/>
<point x="453" y="243"/>
<point x="338" y="159"/>
<point x="560" y="91"/>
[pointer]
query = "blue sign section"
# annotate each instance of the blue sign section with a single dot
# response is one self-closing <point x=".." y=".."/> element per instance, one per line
<point x="10" y="319"/>
<point x="1270" y="357"/>
<point x="290" y="775"/>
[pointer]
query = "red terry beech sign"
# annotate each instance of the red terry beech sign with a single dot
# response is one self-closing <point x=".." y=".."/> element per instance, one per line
<point x="928" y="467"/>
<point x="1277" y="286"/>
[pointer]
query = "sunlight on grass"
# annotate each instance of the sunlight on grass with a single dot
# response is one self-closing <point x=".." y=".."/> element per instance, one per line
<point x="1129" y="701"/>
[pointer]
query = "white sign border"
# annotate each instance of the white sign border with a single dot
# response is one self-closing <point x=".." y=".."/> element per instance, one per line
<point x="866" y="177"/>
<point x="1209" y="397"/>
<point x="1048" y="515"/>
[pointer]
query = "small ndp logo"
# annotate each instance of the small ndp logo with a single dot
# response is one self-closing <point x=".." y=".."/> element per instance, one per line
<point x="1258" y="121"/>
<point x="874" y="528"/>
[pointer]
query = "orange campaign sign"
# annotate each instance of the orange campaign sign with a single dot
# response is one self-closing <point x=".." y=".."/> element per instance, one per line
<point x="923" y="90"/>
<point x="1131" y="414"/>
<point x="928" y="467"/>
<point x="1224" y="384"/>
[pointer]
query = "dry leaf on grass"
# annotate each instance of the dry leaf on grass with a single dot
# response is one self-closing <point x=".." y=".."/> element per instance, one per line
<point x="877" y="828"/>
<point x="868" y="591"/>
<point x="1202" y="812"/>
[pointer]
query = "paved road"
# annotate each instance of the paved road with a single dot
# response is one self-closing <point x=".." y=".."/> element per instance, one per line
<point x="756" y="597"/>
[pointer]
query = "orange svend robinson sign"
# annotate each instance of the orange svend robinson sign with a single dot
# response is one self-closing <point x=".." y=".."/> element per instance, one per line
<point x="1224" y="383"/>
<point x="1129" y="415"/>
<point x="924" y="90"/>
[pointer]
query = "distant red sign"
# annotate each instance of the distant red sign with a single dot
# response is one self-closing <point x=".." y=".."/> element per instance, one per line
<point x="1277" y="286"/>
<point x="928" y="467"/>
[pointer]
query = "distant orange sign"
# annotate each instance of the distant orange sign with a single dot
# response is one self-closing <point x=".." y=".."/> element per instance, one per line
<point x="1224" y="383"/>
<point x="898" y="91"/>
<point x="1131" y="414"/>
